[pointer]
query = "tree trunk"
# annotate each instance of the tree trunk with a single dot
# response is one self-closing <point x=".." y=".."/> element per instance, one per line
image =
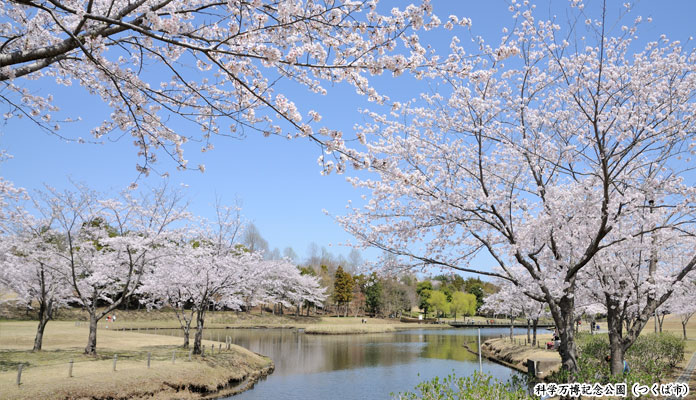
<point x="684" y="328"/>
<point x="535" y="322"/>
<point x="660" y="321"/>
<point x="44" y="316"/>
<point x="187" y="333"/>
<point x="617" y="355"/>
<point x="91" y="348"/>
<point x="198" y="339"/>
<point x="38" y="340"/>
<point x="512" y="325"/>
<point x="529" y="340"/>
<point x="563" y="316"/>
<point x="615" y="326"/>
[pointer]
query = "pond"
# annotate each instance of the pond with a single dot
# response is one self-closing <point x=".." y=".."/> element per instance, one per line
<point x="366" y="366"/>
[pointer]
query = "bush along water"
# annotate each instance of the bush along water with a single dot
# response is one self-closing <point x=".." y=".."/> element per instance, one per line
<point x="475" y="387"/>
<point x="650" y="358"/>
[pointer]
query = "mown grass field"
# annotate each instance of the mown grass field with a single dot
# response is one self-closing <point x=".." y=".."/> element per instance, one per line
<point x="45" y="373"/>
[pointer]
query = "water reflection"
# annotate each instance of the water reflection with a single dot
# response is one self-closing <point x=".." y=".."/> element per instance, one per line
<point x="358" y="366"/>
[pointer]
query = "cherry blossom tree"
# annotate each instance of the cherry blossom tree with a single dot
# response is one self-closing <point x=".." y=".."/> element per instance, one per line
<point x="281" y="282"/>
<point x="107" y="245"/>
<point x="196" y="274"/>
<point x="223" y="61"/>
<point x="201" y="272"/>
<point x="208" y="268"/>
<point x="588" y="306"/>
<point x="30" y="267"/>
<point x="635" y="281"/>
<point x="175" y="280"/>
<point x="683" y="304"/>
<point x="504" y="302"/>
<point x="542" y="152"/>
<point x="511" y="300"/>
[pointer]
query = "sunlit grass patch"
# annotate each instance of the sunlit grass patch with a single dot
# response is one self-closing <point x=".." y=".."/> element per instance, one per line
<point x="326" y="329"/>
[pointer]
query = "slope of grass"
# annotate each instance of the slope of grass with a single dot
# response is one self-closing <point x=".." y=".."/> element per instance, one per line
<point x="45" y="373"/>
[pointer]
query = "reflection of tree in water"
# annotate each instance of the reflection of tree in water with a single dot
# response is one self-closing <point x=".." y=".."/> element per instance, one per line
<point x="449" y="347"/>
<point x="359" y="351"/>
<point x="294" y="352"/>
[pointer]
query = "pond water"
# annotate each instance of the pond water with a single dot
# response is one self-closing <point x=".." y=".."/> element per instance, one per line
<point x="367" y="366"/>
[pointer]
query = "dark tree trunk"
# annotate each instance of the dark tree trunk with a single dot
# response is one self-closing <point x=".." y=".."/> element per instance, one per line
<point x="44" y="316"/>
<point x="198" y="339"/>
<point x="91" y="348"/>
<point x="185" y="324"/>
<point x="529" y="340"/>
<point x="563" y="316"/>
<point x="660" y="320"/>
<point x="512" y="325"/>
<point x="591" y="321"/>
<point x="38" y="340"/>
<point x="187" y="334"/>
<point x="684" y="328"/>
<point x="615" y="326"/>
<point x="535" y="322"/>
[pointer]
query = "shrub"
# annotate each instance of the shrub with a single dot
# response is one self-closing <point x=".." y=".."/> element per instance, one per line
<point x="656" y="353"/>
<point x="650" y="358"/>
<point x="474" y="387"/>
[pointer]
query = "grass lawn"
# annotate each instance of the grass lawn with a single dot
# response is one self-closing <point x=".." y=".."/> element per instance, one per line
<point x="45" y="373"/>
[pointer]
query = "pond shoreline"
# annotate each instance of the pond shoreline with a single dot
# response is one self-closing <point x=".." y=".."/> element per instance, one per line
<point x="515" y="356"/>
<point x="235" y="387"/>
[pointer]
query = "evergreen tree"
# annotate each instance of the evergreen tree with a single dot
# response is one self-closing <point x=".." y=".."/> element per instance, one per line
<point x="424" y="289"/>
<point x="373" y="294"/>
<point x="343" y="288"/>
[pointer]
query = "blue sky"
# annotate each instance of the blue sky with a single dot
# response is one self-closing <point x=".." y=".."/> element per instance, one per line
<point x="277" y="180"/>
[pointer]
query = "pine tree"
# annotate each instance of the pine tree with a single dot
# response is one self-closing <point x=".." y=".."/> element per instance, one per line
<point x="343" y="288"/>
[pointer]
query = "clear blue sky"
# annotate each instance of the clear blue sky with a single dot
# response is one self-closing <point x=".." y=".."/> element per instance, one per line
<point x="278" y="180"/>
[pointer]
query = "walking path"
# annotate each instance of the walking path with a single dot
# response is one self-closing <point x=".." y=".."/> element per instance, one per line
<point x="685" y="377"/>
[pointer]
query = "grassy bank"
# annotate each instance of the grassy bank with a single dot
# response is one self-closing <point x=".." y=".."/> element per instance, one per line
<point x="45" y="373"/>
<point x="514" y="355"/>
<point x="163" y="319"/>
<point x="347" y="329"/>
<point x="353" y="325"/>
